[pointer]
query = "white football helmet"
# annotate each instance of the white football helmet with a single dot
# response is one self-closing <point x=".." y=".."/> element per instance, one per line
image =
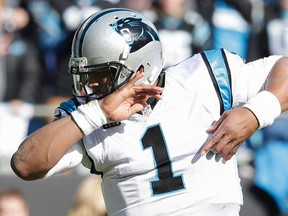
<point x="111" y="45"/>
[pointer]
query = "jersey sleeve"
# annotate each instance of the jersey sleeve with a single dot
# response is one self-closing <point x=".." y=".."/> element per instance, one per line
<point x="248" y="78"/>
<point x="65" y="109"/>
<point x="71" y="159"/>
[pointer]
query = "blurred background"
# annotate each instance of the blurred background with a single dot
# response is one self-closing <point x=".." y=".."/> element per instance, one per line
<point x="35" y="39"/>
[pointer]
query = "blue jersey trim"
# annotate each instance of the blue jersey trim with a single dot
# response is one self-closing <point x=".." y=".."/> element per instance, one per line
<point x="69" y="106"/>
<point x="221" y="74"/>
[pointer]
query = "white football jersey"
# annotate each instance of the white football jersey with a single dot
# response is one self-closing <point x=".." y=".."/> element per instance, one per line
<point x="151" y="163"/>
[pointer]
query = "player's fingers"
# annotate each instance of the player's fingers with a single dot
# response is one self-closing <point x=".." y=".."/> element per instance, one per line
<point x="214" y="140"/>
<point x="218" y="140"/>
<point x="133" y="80"/>
<point x="139" y="99"/>
<point x="226" y="153"/>
<point x="232" y="152"/>
<point x="137" y="107"/>
<point x="127" y="91"/>
<point x="148" y="94"/>
<point x="225" y="144"/>
<point x="216" y="124"/>
<point x="148" y="89"/>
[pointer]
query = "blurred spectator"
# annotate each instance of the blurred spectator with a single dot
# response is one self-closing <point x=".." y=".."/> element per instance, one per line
<point x="277" y="30"/>
<point x="238" y="26"/>
<point x="14" y="123"/>
<point x="205" y="8"/>
<point x="182" y="30"/>
<point x="47" y="31"/>
<point x="258" y="44"/>
<point x="231" y="25"/>
<point x="270" y="148"/>
<point x="137" y="5"/>
<point x="20" y="69"/>
<point x="89" y="199"/>
<point x="13" y="203"/>
<point x="19" y="77"/>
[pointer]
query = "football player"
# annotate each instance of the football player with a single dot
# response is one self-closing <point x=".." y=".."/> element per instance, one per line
<point x="164" y="142"/>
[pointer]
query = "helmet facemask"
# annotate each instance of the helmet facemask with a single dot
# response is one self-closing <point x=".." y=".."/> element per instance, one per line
<point x="96" y="81"/>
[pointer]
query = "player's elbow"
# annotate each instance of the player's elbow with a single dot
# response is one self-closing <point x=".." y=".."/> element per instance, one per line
<point x="24" y="170"/>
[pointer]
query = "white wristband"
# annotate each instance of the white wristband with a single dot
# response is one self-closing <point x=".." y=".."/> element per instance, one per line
<point x="265" y="106"/>
<point x="89" y="117"/>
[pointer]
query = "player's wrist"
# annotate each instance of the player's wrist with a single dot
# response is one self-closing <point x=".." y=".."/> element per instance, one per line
<point x="89" y="117"/>
<point x="266" y="108"/>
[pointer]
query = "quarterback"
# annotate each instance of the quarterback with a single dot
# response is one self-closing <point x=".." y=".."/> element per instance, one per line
<point x="164" y="142"/>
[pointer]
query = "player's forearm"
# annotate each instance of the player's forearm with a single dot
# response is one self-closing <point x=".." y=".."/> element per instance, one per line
<point x="278" y="82"/>
<point x="44" y="148"/>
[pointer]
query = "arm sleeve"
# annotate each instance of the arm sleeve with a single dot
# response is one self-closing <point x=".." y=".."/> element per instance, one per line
<point x="70" y="160"/>
<point x="248" y="79"/>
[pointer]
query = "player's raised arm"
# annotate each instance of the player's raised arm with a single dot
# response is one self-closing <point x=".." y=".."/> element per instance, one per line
<point x="41" y="151"/>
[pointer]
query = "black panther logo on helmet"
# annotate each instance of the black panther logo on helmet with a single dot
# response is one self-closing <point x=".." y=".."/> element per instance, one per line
<point x="135" y="32"/>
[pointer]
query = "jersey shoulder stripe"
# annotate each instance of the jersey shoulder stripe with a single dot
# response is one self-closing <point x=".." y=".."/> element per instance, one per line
<point x="69" y="106"/>
<point x="217" y="65"/>
<point x="65" y="108"/>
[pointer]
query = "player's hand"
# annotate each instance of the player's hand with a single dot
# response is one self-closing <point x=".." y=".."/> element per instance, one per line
<point x="230" y="131"/>
<point x="129" y="99"/>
